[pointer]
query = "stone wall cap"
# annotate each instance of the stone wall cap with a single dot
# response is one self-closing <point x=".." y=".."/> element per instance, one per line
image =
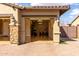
<point x="57" y="33"/>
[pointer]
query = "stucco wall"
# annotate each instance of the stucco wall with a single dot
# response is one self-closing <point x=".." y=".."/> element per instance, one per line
<point x="4" y="9"/>
<point x="76" y="22"/>
<point x="40" y="12"/>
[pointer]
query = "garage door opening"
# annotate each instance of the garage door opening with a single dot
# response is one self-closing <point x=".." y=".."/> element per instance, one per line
<point x="4" y="30"/>
<point x="39" y="30"/>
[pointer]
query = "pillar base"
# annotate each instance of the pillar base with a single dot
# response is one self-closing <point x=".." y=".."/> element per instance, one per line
<point x="14" y="42"/>
<point x="55" y="43"/>
<point x="56" y="37"/>
<point x="28" y="39"/>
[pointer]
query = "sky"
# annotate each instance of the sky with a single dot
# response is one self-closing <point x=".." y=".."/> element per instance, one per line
<point x="39" y="1"/>
<point x="71" y="14"/>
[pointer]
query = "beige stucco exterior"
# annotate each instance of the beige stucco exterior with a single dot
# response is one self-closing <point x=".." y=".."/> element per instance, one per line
<point x="18" y="26"/>
<point x="75" y="22"/>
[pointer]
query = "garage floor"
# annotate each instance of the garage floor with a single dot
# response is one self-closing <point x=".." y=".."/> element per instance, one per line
<point x="4" y="40"/>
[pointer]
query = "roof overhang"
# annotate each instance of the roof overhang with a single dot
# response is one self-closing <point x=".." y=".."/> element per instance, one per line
<point x="62" y="9"/>
<point x="48" y="7"/>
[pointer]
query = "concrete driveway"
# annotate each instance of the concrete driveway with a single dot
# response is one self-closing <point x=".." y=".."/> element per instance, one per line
<point x="41" y="48"/>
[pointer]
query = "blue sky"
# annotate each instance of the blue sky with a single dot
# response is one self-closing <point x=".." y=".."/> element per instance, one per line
<point x="68" y="16"/>
<point x="71" y="14"/>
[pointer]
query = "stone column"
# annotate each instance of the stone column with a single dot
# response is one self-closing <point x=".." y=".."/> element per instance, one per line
<point x="56" y="30"/>
<point x="28" y="30"/>
<point x="14" y="31"/>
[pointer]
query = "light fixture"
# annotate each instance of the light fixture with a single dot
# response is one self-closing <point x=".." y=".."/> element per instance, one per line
<point x="13" y="21"/>
<point x="40" y="21"/>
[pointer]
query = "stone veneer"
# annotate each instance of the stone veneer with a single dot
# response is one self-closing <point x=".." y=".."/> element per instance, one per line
<point x="14" y="31"/>
<point x="14" y="34"/>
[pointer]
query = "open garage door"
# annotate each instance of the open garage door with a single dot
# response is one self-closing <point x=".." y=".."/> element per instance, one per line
<point x="4" y="30"/>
